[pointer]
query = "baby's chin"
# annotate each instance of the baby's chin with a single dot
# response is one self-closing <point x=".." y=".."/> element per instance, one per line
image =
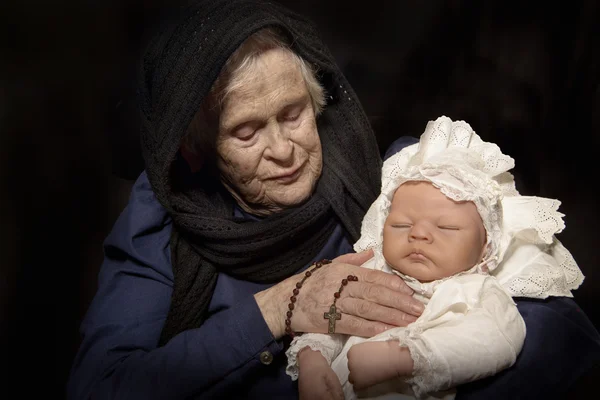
<point x="420" y="271"/>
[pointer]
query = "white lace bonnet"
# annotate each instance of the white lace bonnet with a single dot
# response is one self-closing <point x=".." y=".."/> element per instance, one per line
<point x="522" y="251"/>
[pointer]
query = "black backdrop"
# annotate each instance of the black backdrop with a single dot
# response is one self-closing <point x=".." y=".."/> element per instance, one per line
<point x="524" y="75"/>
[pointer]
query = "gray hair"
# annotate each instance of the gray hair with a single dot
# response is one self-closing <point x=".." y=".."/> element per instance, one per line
<point x="203" y="130"/>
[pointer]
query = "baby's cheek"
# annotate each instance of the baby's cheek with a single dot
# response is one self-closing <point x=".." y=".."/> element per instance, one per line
<point x="391" y="255"/>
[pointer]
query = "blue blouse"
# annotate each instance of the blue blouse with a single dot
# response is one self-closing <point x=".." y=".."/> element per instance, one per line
<point x="233" y="354"/>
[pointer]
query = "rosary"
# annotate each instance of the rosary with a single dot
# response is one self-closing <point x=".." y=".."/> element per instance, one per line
<point x="333" y="315"/>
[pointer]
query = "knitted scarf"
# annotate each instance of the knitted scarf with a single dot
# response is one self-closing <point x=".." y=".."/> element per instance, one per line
<point x="177" y="71"/>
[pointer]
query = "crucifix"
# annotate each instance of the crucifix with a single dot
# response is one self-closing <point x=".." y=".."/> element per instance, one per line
<point x="332" y="316"/>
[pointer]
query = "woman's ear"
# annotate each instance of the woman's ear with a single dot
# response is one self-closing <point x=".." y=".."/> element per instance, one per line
<point x="192" y="158"/>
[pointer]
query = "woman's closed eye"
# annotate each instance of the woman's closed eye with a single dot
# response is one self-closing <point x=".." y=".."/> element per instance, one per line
<point x="291" y="117"/>
<point x="245" y="132"/>
<point x="292" y="113"/>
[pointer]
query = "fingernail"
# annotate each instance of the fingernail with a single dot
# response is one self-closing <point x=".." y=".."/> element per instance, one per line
<point x="417" y="308"/>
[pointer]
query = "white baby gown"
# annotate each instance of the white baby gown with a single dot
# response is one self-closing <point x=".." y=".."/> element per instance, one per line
<point x="470" y="329"/>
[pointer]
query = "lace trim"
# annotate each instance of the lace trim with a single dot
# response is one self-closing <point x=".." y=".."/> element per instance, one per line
<point x="329" y="346"/>
<point x="426" y="289"/>
<point x="554" y="274"/>
<point x="535" y="263"/>
<point x="430" y="373"/>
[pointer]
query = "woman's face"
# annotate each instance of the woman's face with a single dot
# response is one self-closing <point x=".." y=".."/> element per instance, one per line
<point x="269" y="152"/>
<point x="428" y="236"/>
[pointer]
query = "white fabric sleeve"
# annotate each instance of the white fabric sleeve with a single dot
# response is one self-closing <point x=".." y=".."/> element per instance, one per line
<point x="471" y="329"/>
<point x="330" y="347"/>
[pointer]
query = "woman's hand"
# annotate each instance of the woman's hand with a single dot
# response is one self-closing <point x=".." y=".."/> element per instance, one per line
<point x="377" y="302"/>
<point x="316" y="379"/>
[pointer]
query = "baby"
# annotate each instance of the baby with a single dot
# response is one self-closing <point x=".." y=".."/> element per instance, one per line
<point x="450" y="222"/>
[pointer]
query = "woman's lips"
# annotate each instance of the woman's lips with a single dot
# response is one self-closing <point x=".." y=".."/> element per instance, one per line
<point x="289" y="176"/>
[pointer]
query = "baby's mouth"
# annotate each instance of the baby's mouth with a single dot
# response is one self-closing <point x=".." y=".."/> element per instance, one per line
<point x="417" y="255"/>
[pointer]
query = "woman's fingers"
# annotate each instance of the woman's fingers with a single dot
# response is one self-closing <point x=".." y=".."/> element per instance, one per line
<point x="374" y="312"/>
<point x="379" y="299"/>
<point x="351" y="325"/>
<point x="376" y="302"/>
<point x="391" y="281"/>
<point x="354" y="258"/>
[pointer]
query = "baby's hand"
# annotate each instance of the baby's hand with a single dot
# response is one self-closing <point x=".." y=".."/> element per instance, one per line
<point x="316" y="379"/>
<point x="371" y="363"/>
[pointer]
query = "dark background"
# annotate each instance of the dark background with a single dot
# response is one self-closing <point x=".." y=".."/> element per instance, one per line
<point x="523" y="74"/>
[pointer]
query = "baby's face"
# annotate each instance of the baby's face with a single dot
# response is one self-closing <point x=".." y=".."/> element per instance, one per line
<point x="428" y="236"/>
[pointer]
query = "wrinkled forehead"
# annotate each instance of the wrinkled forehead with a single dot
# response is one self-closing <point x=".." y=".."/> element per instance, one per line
<point x="271" y="84"/>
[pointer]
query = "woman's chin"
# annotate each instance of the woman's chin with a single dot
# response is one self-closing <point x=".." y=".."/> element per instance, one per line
<point x="291" y="198"/>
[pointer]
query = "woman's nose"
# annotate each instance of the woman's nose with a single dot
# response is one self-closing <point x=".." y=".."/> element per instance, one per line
<point x="279" y="148"/>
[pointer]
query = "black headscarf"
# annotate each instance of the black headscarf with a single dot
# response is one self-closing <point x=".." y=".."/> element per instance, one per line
<point x="179" y="67"/>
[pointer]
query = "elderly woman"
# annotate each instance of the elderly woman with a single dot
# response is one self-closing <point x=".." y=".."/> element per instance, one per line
<point x="260" y="163"/>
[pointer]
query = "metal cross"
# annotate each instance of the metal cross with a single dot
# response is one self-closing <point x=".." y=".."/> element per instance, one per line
<point x="332" y="316"/>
